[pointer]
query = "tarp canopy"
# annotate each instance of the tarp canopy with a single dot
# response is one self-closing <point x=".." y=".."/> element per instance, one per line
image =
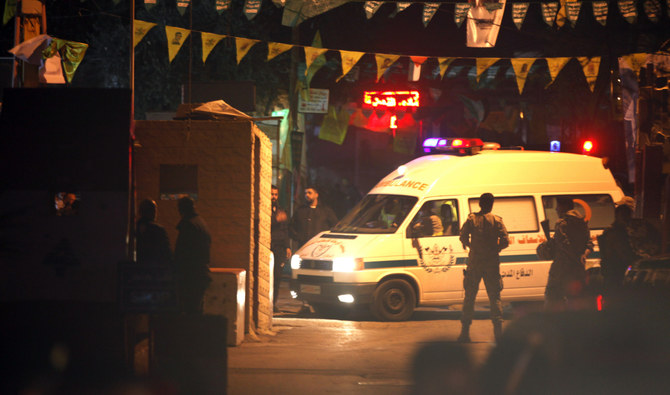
<point x="217" y="109"/>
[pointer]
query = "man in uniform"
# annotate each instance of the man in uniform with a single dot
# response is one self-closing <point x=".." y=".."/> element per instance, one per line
<point x="571" y="244"/>
<point x="485" y="235"/>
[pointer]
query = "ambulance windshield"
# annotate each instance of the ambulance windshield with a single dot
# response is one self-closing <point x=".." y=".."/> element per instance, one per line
<point x="376" y="214"/>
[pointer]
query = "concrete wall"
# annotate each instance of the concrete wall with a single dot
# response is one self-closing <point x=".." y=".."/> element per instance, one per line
<point x="234" y="170"/>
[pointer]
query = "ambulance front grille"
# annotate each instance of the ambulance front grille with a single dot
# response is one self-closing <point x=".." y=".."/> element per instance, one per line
<point x="316" y="264"/>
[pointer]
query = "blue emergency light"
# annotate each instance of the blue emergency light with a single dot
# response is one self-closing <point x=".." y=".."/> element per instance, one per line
<point x="555" y="146"/>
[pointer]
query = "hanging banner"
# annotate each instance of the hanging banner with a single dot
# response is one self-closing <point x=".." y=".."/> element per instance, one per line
<point x="628" y="10"/>
<point x="415" y="67"/>
<point x="175" y="39"/>
<point x="573" y="9"/>
<point x="652" y="8"/>
<point x="549" y="11"/>
<point x="275" y="49"/>
<point x="251" y="8"/>
<point x="590" y="67"/>
<point x="521" y="68"/>
<point x="349" y="60"/>
<point x="483" y="64"/>
<point x="484" y="23"/>
<point x="149" y="4"/>
<point x="141" y="29"/>
<point x="460" y="11"/>
<point x="429" y="10"/>
<point x="384" y="62"/>
<point x="402" y="6"/>
<point x="182" y="5"/>
<point x="371" y="7"/>
<point x="444" y="65"/>
<point x="71" y="53"/>
<point x="209" y="41"/>
<point x="555" y="66"/>
<point x="222" y="5"/>
<point x="243" y="46"/>
<point x="311" y="53"/>
<point x="334" y="126"/>
<point x="519" y="11"/>
<point x="600" y="9"/>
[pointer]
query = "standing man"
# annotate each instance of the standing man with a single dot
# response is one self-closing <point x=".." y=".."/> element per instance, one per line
<point x="153" y="244"/>
<point x="280" y="242"/>
<point x="311" y="219"/>
<point x="191" y="255"/>
<point x="485" y="235"/>
<point x="571" y="244"/>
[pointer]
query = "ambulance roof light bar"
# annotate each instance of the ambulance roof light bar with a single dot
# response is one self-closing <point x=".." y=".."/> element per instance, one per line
<point x="459" y="146"/>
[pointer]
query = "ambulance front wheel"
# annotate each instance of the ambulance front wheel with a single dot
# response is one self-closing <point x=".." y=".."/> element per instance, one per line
<point x="393" y="300"/>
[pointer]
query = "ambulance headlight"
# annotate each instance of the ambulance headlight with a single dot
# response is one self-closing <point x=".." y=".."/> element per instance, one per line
<point x="295" y="262"/>
<point x="347" y="264"/>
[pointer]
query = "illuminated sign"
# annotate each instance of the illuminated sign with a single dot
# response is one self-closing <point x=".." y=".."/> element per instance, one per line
<point x="391" y="99"/>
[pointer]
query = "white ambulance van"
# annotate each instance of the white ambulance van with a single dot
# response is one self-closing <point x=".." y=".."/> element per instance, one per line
<point x="381" y="253"/>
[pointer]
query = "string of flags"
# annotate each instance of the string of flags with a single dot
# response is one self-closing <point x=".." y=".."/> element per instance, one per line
<point x="314" y="54"/>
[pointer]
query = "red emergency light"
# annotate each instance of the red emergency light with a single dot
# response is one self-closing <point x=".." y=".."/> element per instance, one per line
<point x="587" y="147"/>
<point x="391" y="99"/>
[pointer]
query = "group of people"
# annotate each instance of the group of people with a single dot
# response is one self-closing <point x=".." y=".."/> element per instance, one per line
<point x="190" y="260"/>
<point x="485" y="235"/>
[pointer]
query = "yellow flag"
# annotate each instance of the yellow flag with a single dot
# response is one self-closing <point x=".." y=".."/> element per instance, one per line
<point x="590" y="66"/>
<point x="349" y="60"/>
<point x="555" y="66"/>
<point x="521" y="68"/>
<point x="141" y="30"/>
<point x="384" y="62"/>
<point x="444" y="65"/>
<point x="483" y="64"/>
<point x="175" y="39"/>
<point x="209" y="41"/>
<point x="71" y="54"/>
<point x="275" y="49"/>
<point x="334" y="126"/>
<point x="243" y="46"/>
<point x="311" y="53"/>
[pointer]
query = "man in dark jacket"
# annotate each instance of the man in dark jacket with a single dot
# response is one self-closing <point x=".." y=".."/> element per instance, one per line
<point x="153" y="244"/>
<point x="571" y="244"/>
<point x="191" y="255"/>
<point x="311" y="219"/>
<point x="485" y="235"/>
<point x="280" y="241"/>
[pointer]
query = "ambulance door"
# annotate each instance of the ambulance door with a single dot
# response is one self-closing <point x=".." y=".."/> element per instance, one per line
<point x="431" y="239"/>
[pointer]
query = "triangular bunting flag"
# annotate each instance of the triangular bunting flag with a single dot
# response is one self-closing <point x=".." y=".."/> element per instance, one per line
<point x="483" y="64"/>
<point x="521" y="68"/>
<point x="549" y="11"/>
<point x="555" y="66"/>
<point x="311" y="53"/>
<point x="573" y="9"/>
<point x="349" y="60"/>
<point x="429" y="10"/>
<point x="371" y="7"/>
<point x="628" y="10"/>
<point x="222" y="5"/>
<point x="652" y="8"/>
<point x="590" y="67"/>
<point x="444" y="65"/>
<point x="71" y="53"/>
<point x="600" y="9"/>
<point x="384" y="62"/>
<point x="562" y="14"/>
<point x="175" y="39"/>
<point x="243" y="46"/>
<point x="209" y="41"/>
<point x="141" y="29"/>
<point x="149" y="4"/>
<point x="402" y="6"/>
<point x="519" y="11"/>
<point x="275" y="49"/>
<point x="460" y="11"/>
<point x="182" y="5"/>
<point x="415" y="67"/>
<point x="251" y="8"/>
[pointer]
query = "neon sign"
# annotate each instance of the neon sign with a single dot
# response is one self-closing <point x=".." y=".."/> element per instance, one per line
<point x="391" y="99"/>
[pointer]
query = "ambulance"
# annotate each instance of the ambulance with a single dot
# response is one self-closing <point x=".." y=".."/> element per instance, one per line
<point x="382" y="254"/>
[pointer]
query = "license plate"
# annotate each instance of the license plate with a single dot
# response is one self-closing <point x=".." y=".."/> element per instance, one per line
<point x="310" y="289"/>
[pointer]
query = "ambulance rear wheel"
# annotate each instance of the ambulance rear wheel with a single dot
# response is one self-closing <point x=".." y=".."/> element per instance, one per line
<point x="393" y="300"/>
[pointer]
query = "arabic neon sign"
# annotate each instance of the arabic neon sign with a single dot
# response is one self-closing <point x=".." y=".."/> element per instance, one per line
<point x="391" y="99"/>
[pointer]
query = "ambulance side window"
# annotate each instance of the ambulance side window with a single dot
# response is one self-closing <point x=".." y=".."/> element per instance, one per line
<point x="518" y="213"/>
<point x="597" y="209"/>
<point x="435" y="218"/>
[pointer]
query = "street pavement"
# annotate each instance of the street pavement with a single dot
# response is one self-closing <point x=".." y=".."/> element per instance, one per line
<point x="306" y="354"/>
